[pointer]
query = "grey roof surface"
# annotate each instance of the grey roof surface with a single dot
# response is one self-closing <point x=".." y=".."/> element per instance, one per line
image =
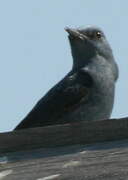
<point x="66" y="159"/>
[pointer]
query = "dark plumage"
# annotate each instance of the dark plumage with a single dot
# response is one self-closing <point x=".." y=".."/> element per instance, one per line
<point x="87" y="92"/>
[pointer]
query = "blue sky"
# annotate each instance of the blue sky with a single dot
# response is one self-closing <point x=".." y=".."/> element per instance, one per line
<point x="35" y="52"/>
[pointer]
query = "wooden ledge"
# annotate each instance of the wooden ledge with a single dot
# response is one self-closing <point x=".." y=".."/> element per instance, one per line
<point x="64" y="135"/>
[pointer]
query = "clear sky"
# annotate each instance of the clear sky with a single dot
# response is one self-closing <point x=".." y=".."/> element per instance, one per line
<point x="35" y="53"/>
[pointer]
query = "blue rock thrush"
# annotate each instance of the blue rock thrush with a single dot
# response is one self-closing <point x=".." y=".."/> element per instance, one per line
<point x="86" y="93"/>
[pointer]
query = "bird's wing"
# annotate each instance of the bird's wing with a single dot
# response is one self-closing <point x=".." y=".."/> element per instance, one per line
<point x="63" y="98"/>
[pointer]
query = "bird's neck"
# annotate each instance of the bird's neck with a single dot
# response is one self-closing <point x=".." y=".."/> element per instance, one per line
<point x="80" y="62"/>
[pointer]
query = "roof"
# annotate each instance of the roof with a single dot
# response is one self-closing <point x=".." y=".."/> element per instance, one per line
<point x="86" y="150"/>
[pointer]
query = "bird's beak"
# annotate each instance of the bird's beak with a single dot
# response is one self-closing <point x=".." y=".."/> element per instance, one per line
<point x="75" y="33"/>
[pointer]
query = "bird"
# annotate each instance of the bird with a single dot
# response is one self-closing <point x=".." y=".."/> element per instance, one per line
<point x="87" y="91"/>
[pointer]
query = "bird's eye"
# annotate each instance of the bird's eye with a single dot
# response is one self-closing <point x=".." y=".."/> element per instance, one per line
<point x="98" y="34"/>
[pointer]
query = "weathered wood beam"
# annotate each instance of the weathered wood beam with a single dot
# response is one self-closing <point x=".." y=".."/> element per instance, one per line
<point x="64" y="135"/>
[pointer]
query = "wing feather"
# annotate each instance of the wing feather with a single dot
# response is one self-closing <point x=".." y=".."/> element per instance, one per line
<point x="63" y="98"/>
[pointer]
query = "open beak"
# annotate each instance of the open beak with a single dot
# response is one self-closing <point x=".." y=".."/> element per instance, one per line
<point x="75" y="33"/>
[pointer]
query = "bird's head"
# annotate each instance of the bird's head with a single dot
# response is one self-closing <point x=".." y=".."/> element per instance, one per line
<point x="87" y="43"/>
